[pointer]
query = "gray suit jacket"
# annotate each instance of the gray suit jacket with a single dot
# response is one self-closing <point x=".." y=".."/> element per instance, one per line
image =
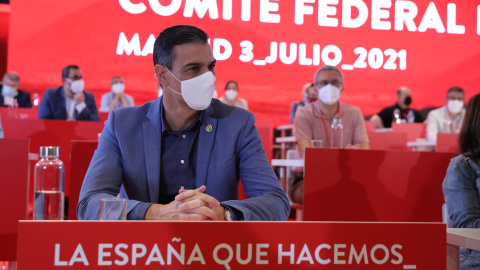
<point x="129" y="153"/>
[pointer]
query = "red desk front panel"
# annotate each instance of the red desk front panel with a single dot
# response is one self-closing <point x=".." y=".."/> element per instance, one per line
<point x="447" y="142"/>
<point x="13" y="193"/>
<point x="82" y="153"/>
<point x="388" y="140"/>
<point x="374" y="185"/>
<point x="52" y="133"/>
<point x="230" y="245"/>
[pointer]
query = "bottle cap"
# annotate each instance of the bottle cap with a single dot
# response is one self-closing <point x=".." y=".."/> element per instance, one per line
<point x="49" y="151"/>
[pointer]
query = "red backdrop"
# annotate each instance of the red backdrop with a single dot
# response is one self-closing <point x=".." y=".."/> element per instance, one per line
<point x="436" y="49"/>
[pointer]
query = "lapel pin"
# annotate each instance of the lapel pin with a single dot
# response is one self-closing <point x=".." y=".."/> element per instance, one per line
<point x="208" y="128"/>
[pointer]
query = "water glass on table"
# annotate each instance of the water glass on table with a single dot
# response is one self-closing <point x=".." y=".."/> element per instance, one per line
<point x="317" y="143"/>
<point x="113" y="209"/>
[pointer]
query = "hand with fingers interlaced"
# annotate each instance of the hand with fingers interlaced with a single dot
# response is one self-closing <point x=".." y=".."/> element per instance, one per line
<point x="191" y="204"/>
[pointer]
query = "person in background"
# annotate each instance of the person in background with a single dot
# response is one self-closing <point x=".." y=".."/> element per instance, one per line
<point x="10" y="91"/>
<point x="461" y="185"/>
<point x="231" y="96"/>
<point x="310" y="95"/>
<point x="384" y="118"/>
<point x="117" y="98"/>
<point x="182" y="156"/>
<point x="1" y="129"/>
<point x="448" y="118"/>
<point x="69" y="101"/>
<point x="314" y="121"/>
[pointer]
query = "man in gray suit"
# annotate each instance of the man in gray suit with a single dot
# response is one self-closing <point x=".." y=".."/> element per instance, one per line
<point x="181" y="157"/>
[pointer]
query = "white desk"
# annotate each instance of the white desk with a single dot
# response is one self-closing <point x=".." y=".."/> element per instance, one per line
<point x="288" y="139"/>
<point x="456" y="237"/>
<point x="427" y="145"/>
<point x="288" y="162"/>
<point x="284" y="127"/>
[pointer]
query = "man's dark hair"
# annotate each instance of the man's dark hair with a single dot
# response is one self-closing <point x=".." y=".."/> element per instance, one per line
<point x="469" y="141"/>
<point x="66" y="70"/>
<point x="231" y="81"/>
<point x="456" y="89"/>
<point x="163" y="53"/>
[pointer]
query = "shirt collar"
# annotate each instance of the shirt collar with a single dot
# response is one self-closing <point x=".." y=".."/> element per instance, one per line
<point x="195" y="125"/>
<point x="316" y="110"/>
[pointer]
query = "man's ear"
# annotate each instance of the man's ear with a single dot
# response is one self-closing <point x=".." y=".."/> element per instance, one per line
<point x="160" y="72"/>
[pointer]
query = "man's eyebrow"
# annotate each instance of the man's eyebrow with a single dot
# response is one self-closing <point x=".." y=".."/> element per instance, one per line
<point x="198" y="64"/>
<point x="191" y="64"/>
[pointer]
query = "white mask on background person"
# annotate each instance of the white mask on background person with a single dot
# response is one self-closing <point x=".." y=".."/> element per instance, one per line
<point x="160" y="92"/>
<point x="230" y="94"/>
<point x="329" y="94"/>
<point x="455" y="106"/>
<point x="9" y="91"/>
<point x="118" y="88"/>
<point x="215" y="94"/>
<point x="77" y="86"/>
<point x="197" y="92"/>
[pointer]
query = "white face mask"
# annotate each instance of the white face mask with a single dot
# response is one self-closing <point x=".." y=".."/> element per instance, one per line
<point x="9" y="91"/>
<point x="118" y="88"/>
<point x="329" y="94"/>
<point x="77" y="86"/>
<point x="454" y="106"/>
<point x="197" y="92"/>
<point x="230" y="94"/>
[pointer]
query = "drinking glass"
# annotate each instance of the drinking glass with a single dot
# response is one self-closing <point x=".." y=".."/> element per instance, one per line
<point x="113" y="209"/>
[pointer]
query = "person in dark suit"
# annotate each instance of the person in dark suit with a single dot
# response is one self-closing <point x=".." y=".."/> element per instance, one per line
<point x="69" y="101"/>
<point x="181" y="156"/>
<point x="10" y="91"/>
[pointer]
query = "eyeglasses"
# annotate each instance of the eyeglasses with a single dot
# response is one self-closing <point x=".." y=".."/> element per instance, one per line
<point x="322" y="83"/>
<point x="455" y="98"/>
<point x="75" y="78"/>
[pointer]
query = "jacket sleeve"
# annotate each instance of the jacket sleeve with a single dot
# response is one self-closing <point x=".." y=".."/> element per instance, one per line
<point x="104" y="176"/>
<point x="90" y="112"/>
<point x="44" y="111"/>
<point x="462" y="194"/>
<point x="268" y="200"/>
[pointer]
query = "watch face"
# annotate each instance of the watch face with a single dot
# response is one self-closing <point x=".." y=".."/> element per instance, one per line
<point x="228" y="217"/>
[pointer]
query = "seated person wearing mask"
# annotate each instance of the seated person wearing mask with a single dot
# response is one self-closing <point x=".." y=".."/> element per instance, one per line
<point x="385" y="117"/>
<point x="448" y="118"/>
<point x="314" y="121"/>
<point x="10" y="91"/>
<point x="69" y="101"/>
<point x="117" y="98"/>
<point x="310" y="94"/>
<point x="461" y="185"/>
<point x="181" y="156"/>
<point x="231" y="96"/>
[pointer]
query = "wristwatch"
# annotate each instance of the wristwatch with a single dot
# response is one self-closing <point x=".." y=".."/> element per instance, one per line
<point x="228" y="217"/>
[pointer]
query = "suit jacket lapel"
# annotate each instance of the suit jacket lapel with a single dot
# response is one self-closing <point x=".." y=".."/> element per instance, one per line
<point x="152" y="130"/>
<point x="206" y="139"/>
<point x="61" y="101"/>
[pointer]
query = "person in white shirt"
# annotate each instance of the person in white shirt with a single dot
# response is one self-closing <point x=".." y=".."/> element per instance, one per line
<point x="448" y="118"/>
<point x="117" y="98"/>
<point x="231" y="96"/>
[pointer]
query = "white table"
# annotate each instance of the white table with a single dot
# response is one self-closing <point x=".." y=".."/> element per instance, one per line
<point x="288" y="162"/>
<point x="456" y="237"/>
<point x="426" y="144"/>
<point x="288" y="139"/>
